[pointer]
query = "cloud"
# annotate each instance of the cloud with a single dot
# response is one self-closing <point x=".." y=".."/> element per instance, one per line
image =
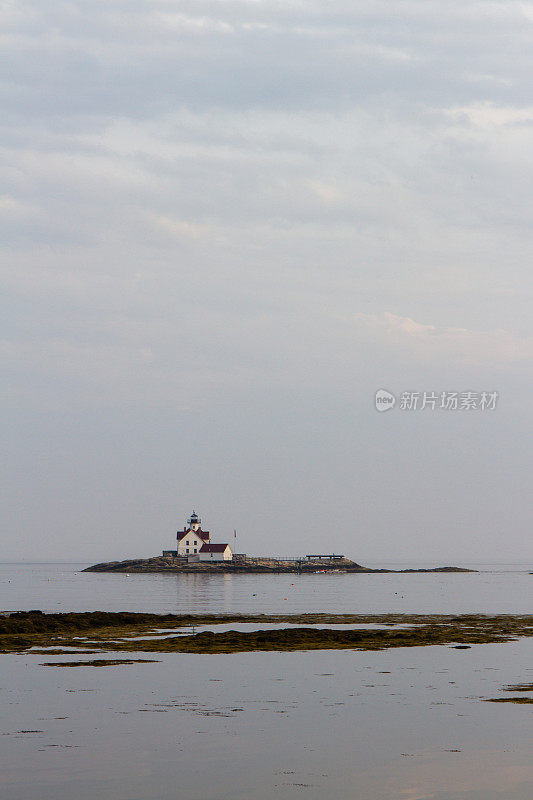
<point x="225" y="223"/>
<point x="495" y="347"/>
<point x="488" y="115"/>
<point x="142" y="59"/>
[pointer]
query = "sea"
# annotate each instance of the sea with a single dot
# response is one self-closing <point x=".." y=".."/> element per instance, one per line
<point x="402" y="724"/>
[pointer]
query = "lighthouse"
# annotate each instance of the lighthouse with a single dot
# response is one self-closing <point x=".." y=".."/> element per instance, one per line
<point x="195" y="544"/>
<point x="194" y="521"/>
<point x="192" y="538"/>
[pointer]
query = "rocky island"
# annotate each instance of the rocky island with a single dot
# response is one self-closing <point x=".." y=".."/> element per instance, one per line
<point x="246" y="564"/>
<point x="197" y="552"/>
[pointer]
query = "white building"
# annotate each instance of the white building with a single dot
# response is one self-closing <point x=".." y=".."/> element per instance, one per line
<point x="216" y="552"/>
<point x="191" y="539"/>
<point x="195" y="544"/>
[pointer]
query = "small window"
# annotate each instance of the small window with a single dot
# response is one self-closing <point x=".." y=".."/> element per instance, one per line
<point x="186" y="549"/>
<point x="186" y="542"/>
<point x="195" y="549"/>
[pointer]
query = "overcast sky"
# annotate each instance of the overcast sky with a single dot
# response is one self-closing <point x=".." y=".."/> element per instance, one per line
<point x="225" y="225"/>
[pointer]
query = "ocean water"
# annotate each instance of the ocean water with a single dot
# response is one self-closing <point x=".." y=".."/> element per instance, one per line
<point x="404" y="724"/>
<point x="495" y="589"/>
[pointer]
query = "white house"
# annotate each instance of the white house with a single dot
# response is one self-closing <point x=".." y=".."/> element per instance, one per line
<point x="216" y="552"/>
<point x="191" y="539"/>
<point x="195" y="544"/>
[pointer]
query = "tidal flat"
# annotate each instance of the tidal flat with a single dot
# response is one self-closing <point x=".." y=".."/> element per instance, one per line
<point x="106" y="631"/>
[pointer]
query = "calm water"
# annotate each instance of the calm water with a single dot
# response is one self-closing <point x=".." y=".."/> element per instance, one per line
<point x="63" y="587"/>
<point x="405" y="724"/>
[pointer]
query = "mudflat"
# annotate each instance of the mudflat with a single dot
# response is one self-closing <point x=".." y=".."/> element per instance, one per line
<point x="123" y="631"/>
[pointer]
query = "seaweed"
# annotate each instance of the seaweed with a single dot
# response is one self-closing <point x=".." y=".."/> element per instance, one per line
<point x="119" y="631"/>
<point x="522" y="700"/>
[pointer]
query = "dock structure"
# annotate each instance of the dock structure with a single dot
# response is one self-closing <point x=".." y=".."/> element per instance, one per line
<point x="327" y="556"/>
<point x="324" y="561"/>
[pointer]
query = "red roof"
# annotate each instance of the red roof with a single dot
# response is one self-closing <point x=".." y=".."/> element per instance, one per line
<point x="200" y="533"/>
<point x="213" y="548"/>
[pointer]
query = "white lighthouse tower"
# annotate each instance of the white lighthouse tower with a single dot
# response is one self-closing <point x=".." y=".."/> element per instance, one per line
<point x="194" y="521"/>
